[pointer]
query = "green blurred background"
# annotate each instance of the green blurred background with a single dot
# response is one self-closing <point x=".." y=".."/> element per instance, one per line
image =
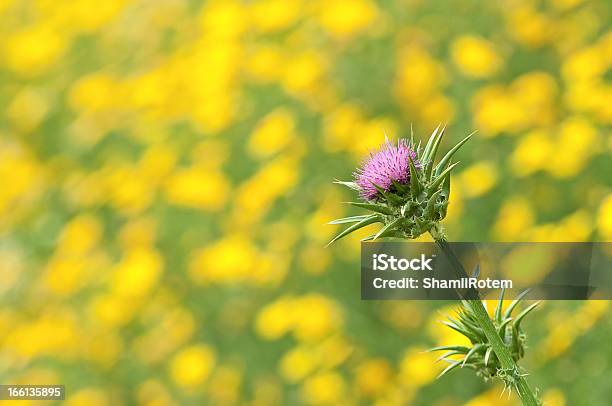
<point x="166" y="170"/>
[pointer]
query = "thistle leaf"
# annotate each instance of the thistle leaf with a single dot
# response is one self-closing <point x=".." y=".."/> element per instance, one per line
<point x="439" y="178"/>
<point x="366" y="221"/>
<point x="473" y="350"/>
<point x="406" y="208"/>
<point x="430" y="142"/>
<point x="488" y="355"/>
<point x="446" y="186"/>
<point x="352" y="219"/>
<point x="400" y="187"/>
<point x="350" y="185"/>
<point x="444" y="161"/>
<point x="434" y="148"/>
<point x="515" y="302"/>
<point x="460" y="348"/>
<point x="469" y="334"/>
<point x="372" y="207"/>
<point x="449" y="368"/>
<point x="516" y="345"/>
<point x="524" y="313"/>
<point x="431" y="154"/>
<point x="444" y="356"/>
<point x="387" y="227"/>
<point x="391" y="198"/>
<point x="415" y="185"/>
<point x="500" y="303"/>
<point x="431" y="204"/>
<point x="501" y="329"/>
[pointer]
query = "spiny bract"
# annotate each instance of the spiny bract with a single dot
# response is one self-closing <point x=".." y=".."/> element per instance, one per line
<point x="402" y="188"/>
<point x="480" y="355"/>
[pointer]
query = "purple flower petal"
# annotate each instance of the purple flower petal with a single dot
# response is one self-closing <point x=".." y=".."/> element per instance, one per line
<point x="390" y="163"/>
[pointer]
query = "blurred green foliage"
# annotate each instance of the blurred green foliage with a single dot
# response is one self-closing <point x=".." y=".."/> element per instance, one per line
<point x="166" y="173"/>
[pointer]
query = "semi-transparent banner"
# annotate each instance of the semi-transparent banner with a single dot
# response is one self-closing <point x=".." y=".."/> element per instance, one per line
<point x="422" y="271"/>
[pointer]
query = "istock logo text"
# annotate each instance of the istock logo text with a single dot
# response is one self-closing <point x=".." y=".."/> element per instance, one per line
<point x="383" y="262"/>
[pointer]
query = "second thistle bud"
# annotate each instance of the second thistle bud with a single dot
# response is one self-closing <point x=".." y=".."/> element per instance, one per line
<point x="479" y="355"/>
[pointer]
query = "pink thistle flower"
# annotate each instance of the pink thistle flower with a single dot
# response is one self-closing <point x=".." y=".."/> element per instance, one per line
<point x="390" y="163"/>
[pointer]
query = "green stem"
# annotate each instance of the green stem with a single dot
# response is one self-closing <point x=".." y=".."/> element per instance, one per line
<point x="510" y="366"/>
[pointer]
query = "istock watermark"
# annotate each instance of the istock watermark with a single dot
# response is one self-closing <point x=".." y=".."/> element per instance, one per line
<point x="434" y="283"/>
<point x="382" y="262"/>
<point x="419" y="271"/>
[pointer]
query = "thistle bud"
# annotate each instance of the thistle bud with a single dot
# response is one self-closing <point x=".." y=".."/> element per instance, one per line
<point x="480" y="355"/>
<point x="403" y="188"/>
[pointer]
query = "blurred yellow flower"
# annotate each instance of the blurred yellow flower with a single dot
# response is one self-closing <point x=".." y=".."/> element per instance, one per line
<point x="584" y="65"/>
<point x="89" y="397"/>
<point x="54" y="332"/>
<point x="418" y="367"/>
<point x="275" y="319"/>
<point x="475" y="56"/>
<point x="153" y="392"/>
<point x="419" y="75"/>
<point x="340" y="126"/>
<point x="514" y="219"/>
<point x="536" y="92"/>
<point x="137" y="273"/>
<point x="316" y="317"/>
<point x="272" y="133"/>
<point x="456" y="203"/>
<point x="478" y="179"/>
<point x="373" y="377"/>
<point x="230" y="259"/>
<point x="191" y="366"/>
<point x="604" y="219"/>
<point x="128" y="191"/>
<point x="437" y="109"/>
<point x="275" y="15"/>
<point x="112" y="310"/>
<point x="256" y="195"/>
<point x="65" y="275"/>
<point x="335" y="350"/>
<point x="492" y="397"/>
<point x="578" y="226"/>
<point x="198" y="188"/>
<point x="224" y="385"/>
<point x="28" y="109"/>
<point x="345" y="18"/>
<point x="96" y="92"/>
<point x="315" y="259"/>
<point x="311" y="318"/>
<point x="265" y="63"/>
<point x="224" y="19"/>
<point x="554" y="397"/>
<point x="532" y="153"/>
<point x="22" y="178"/>
<point x="325" y="388"/>
<point x="303" y="72"/>
<point x="528" y="26"/>
<point x="298" y="363"/>
<point x="33" y="50"/>
<point x="577" y="141"/>
<point x="496" y="110"/>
